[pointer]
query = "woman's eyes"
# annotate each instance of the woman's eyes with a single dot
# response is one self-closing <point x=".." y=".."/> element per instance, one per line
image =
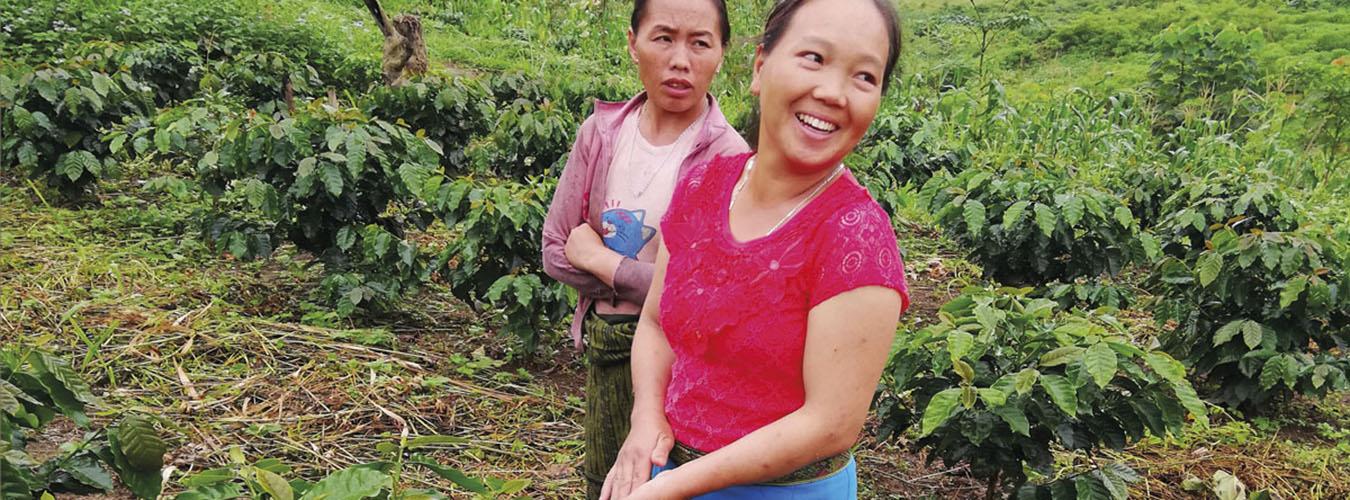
<point x="813" y="57"/>
<point x="868" y="77"/>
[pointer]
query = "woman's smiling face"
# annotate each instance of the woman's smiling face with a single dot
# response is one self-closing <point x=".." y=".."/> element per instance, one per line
<point x="821" y="84"/>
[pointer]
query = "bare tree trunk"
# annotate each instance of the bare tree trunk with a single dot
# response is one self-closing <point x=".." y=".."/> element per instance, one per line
<point x="288" y="93"/>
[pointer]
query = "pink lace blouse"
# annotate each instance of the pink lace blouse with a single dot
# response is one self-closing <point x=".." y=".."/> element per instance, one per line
<point x="735" y="312"/>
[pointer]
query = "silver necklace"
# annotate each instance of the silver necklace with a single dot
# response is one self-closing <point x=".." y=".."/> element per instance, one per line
<point x="632" y="144"/>
<point x="750" y="166"/>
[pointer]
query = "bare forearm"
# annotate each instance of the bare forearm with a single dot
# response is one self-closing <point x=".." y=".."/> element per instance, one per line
<point x="796" y="440"/>
<point x="651" y="363"/>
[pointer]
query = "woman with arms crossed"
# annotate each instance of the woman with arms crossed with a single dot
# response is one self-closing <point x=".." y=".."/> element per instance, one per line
<point x="600" y="235"/>
<point x="778" y="285"/>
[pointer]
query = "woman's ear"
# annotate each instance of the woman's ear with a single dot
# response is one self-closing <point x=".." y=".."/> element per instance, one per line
<point x="632" y="46"/>
<point x="759" y="65"/>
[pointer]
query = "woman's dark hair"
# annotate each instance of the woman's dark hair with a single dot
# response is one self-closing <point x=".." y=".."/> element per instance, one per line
<point x="723" y="22"/>
<point x="783" y="11"/>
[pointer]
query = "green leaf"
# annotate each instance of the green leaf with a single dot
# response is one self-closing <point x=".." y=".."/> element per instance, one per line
<point x="1124" y="217"/>
<point x="963" y="369"/>
<point x="992" y="398"/>
<point x="513" y="486"/>
<point x="455" y="476"/>
<point x="1046" y="219"/>
<point x="1026" y="380"/>
<point x="1165" y="366"/>
<point x="209" y="477"/>
<point x="427" y="441"/>
<point x="1152" y="249"/>
<point x="1227" y="332"/>
<point x="74" y="164"/>
<point x="102" y="84"/>
<point x="974" y="213"/>
<point x="1209" y="266"/>
<point x="1073" y="209"/>
<point x="959" y="343"/>
<point x="1100" y="362"/>
<point x="332" y="179"/>
<point x="146" y="485"/>
<point x="86" y="469"/>
<point x="1015" y="417"/>
<point x="1292" y="290"/>
<point x="1273" y="371"/>
<point x="940" y="408"/>
<point x="1251" y="334"/>
<point x="140" y="443"/>
<point x="9" y="398"/>
<point x="1189" y="400"/>
<point x="355" y="483"/>
<point x="275" y="485"/>
<point x="222" y="491"/>
<point x="1062" y="392"/>
<point x="1013" y="214"/>
<point x="14" y="487"/>
<point x="1061" y="356"/>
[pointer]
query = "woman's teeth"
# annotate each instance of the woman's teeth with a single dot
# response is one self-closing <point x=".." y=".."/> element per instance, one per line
<point x="816" y="123"/>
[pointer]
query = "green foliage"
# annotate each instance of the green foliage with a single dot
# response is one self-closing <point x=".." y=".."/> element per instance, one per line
<point x="1034" y="226"/>
<point x="266" y="478"/>
<point x="1089" y="293"/>
<point x="528" y="139"/>
<point x="167" y="68"/>
<point x="1202" y="62"/>
<point x="1244" y="201"/>
<point x="1259" y="315"/>
<point x="183" y="133"/>
<point x="496" y="257"/>
<point x="260" y="79"/>
<point x="334" y="182"/>
<point x="1002" y="377"/>
<point x="35" y="387"/>
<point x="904" y="147"/>
<point x="450" y="111"/>
<point x="52" y="121"/>
<point x="1328" y="97"/>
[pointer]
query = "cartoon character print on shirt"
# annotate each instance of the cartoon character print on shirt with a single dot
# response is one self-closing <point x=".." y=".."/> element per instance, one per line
<point x="626" y="231"/>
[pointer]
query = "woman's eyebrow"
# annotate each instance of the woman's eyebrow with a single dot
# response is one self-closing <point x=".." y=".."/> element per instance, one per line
<point x="828" y="45"/>
<point x="662" y="28"/>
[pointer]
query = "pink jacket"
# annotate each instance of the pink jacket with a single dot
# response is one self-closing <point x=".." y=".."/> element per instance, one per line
<point x="586" y="172"/>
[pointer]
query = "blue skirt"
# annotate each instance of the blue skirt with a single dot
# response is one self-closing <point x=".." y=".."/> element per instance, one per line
<point x="841" y="485"/>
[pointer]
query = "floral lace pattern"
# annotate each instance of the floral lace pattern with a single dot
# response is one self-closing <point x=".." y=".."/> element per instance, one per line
<point x="735" y="312"/>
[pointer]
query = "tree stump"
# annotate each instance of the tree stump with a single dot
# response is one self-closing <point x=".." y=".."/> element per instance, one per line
<point x="405" y="51"/>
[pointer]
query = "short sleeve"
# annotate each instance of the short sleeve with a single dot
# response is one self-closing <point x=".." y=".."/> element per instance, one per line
<point x="858" y="249"/>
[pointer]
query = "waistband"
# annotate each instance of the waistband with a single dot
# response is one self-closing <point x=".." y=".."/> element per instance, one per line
<point x="683" y="453"/>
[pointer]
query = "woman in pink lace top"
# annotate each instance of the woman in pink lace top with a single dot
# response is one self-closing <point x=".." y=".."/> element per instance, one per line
<point x="778" y="285"/>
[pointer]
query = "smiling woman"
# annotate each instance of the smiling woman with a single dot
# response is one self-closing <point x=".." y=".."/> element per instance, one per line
<point x="778" y="283"/>
<point x="600" y="235"/>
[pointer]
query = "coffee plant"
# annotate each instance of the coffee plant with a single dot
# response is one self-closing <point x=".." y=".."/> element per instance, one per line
<point x="528" y="139"/>
<point x="1145" y="188"/>
<point x="1245" y="202"/>
<point x="260" y="79"/>
<point x="1202" y="62"/>
<point x="1088" y="293"/>
<point x="1033" y="226"/>
<point x="385" y="479"/>
<point x="905" y="148"/>
<point x="337" y="184"/>
<point x="1002" y="378"/>
<point x="448" y="110"/>
<point x="35" y="387"/>
<point x="496" y="257"/>
<point x="1259" y="315"/>
<point x="53" y="120"/>
<point x="169" y="69"/>
<point x="183" y="133"/>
